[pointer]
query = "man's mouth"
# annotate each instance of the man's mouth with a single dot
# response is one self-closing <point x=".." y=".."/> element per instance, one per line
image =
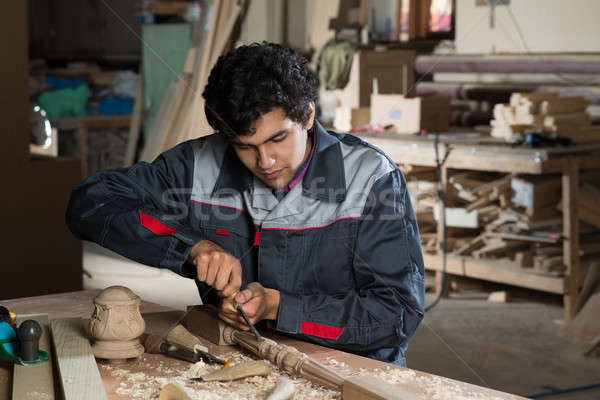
<point x="274" y="174"/>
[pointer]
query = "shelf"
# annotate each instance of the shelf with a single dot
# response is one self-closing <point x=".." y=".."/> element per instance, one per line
<point x="92" y="122"/>
<point x="496" y="271"/>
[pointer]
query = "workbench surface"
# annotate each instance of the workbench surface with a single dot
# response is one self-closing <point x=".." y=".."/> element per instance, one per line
<point x="160" y="319"/>
<point x="483" y="153"/>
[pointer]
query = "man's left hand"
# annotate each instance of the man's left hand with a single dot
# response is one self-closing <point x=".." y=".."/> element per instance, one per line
<point x="258" y="303"/>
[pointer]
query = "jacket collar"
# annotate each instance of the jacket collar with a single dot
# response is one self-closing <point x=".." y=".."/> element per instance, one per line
<point x="233" y="177"/>
<point x="324" y="178"/>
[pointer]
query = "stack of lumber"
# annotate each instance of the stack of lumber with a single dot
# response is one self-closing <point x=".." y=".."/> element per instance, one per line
<point x="423" y="187"/>
<point x="181" y="116"/>
<point x="517" y="220"/>
<point x="528" y="112"/>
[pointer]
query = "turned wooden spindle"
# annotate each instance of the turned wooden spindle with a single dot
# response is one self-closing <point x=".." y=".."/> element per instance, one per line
<point x="203" y="321"/>
<point x="287" y="358"/>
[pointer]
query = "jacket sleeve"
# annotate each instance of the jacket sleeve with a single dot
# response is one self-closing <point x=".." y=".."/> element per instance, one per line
<point x="387" y="305"/>
<point x="140" y="212"/>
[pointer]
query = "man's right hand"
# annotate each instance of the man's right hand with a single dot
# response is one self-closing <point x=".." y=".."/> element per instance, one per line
<point x="216" y="267"/>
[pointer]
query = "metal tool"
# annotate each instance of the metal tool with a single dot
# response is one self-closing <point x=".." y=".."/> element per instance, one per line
<point x="155" y="344"/>
<point x="186" y="355"/>
<point x="239" y="308"/>
<point x="250" y="325"/>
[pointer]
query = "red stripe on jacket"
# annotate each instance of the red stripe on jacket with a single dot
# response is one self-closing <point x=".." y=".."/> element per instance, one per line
<point x="322" y="331"/>
<point x="155" y="226"/>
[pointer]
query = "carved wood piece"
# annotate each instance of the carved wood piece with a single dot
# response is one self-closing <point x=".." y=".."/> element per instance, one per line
<point x="239" y="371"/>
<point x="203" y="320"/>
<point x="181" y="337"/>
<point x="116" y="325"/>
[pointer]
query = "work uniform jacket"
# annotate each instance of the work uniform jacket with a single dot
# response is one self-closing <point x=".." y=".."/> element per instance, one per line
<point x="342" y="247"/>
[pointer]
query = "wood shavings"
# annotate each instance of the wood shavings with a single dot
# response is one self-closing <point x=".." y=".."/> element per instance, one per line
<point x="147" y="385"/>
<point x="39" y="395"/>
<point x="158" y="372"/>
<point x="396" y="375"/>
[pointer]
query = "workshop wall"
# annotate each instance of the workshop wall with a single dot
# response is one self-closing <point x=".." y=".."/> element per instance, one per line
<point x="546" y="25"/>
<point x="39" y="254"/>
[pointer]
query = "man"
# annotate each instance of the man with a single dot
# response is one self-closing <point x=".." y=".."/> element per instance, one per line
<point x="314" y="228"/>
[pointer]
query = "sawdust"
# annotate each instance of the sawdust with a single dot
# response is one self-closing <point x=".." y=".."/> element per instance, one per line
<point x="138" y="385"/>
<point x="39" y="395"/>
<point x="148" y="385"/>
<point x="433" y="387"/>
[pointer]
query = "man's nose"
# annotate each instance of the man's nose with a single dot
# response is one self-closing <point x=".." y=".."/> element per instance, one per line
<point x="265" y="160"/>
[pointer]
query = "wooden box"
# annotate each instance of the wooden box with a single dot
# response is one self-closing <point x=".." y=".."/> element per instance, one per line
<point x="411" y="115"/>
<point x="394" y="70"/>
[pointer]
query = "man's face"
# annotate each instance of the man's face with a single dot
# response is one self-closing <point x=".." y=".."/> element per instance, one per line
<point x="276" y="149"/>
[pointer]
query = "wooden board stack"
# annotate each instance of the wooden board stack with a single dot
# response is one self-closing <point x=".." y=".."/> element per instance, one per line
<point x="181" y="115"/>
<point x="544" y="111"/>
<point x="519" y="219"/>
<point x="423" y="187"/>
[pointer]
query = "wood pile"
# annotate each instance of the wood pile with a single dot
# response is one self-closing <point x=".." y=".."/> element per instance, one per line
<point x="519" y="218"/>
<point x="514" y="218"/>
<point x="532" y="112"/>
<point x="181" y="115"/>
<point x="423" y="187"/>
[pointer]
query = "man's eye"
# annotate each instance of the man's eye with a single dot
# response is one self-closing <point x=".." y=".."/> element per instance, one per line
<point x="279" y="138"/>
<point x="241" y="146"/>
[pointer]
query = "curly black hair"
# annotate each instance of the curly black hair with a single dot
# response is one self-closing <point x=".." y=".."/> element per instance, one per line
<point x="251" y="81"/>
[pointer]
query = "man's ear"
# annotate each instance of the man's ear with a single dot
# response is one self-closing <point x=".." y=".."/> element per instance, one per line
<point x="311" y="116"/>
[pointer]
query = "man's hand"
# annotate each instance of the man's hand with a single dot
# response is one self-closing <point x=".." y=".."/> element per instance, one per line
<point x="258" y="303"/>
<point x="216" y="267"/>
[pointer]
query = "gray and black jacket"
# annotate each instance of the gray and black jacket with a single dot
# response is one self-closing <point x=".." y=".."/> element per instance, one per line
<point x="342" y="248"/>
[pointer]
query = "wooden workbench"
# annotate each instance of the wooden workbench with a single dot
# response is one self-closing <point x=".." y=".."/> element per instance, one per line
<point x="488" y="154"/>
<point x="159" y="319"/>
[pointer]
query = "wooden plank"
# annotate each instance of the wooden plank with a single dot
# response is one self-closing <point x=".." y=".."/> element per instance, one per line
<point x="470" y="246"/>
<point x="495" y="271"/>
<point x="177" y="129"/>
<point x="534" y="237"/>
<point x="230" y="12"/>
<point x="495" y="249"/>
<point x="459" y="217"/>
<point x="570" y="186"/>
<point x="166" y="115"/>
<point x="134" y="127"/>
<point x="77" y="367"/>
<point x="477" y="157"/>
<point x="442" y="284"/>
<point x="564" y="105"/>
<point x="524" y="259"/>
<point x="590" y="282"/>
<point x="35" y="381"/>
<point x="535" y="192"/>
<point x="92" y="122"/>
<point x="371" y="388"/>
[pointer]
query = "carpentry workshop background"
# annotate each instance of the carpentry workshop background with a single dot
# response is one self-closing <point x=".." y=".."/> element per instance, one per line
<point x="490" y="108"/>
